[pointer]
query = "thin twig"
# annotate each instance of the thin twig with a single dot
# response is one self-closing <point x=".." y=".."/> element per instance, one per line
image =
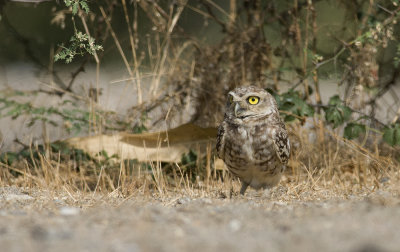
<point x="88" y="33"/>
<point x="318" y="65"/>
<point x="133" y="48"/>
<point x="80" y="69"/>
<point x="211" y="13"/>
<point x="116" y="41"/>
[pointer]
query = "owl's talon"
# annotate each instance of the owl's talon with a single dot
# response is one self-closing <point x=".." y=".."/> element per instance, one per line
<point x="244" y="187"/>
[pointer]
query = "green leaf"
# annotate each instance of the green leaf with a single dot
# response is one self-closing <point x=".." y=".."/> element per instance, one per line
<point x="397" y="134"/>
<point x="388" y="136"/>
<point x="8" y="157"/>
<point x="353" y="130"/>
<point x="391" y="135"/>
<point x="346" y="112"/>
<point x="104" y="154"/>
<point x="75" y="8"/>
<point x="334" y="100"/>
<point x="333" y="116"/>
<point x="68" y="2"/>
<point x="337" y="113"/>
<point x="189" y="158"/>
<point x="84" y="6"/>
<point x="293" y="103"/>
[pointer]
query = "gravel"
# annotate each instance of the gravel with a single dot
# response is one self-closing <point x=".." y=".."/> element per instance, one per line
<point x="34" y="220"/>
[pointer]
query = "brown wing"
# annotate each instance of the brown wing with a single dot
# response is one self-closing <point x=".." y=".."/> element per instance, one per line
<point x="282" y="144"/>
<point x="220" y="140"/>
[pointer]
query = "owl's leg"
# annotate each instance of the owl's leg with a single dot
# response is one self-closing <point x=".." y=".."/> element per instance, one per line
<point x="244" y="187"/>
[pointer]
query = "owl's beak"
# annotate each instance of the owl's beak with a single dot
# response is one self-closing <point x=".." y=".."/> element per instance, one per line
<point x="237" y="108"/>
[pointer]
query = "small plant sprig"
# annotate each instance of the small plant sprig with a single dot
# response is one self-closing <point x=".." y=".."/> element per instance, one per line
<point x="75" y="5"/>
<point x="74" y="119"/>
<point x="80" y="43"/>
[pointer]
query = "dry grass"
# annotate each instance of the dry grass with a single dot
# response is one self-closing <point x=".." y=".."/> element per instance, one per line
<point x="326" y="167"/>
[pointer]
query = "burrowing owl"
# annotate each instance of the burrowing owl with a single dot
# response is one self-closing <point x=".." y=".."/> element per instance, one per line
<point x="252" y="140"/>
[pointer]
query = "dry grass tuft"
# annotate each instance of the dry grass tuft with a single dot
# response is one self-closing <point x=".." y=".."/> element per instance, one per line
<point x="320" y="167"/>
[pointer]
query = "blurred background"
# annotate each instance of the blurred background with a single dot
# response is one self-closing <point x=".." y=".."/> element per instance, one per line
<point x="88" y="89"/>
<point x="144" y="65"/>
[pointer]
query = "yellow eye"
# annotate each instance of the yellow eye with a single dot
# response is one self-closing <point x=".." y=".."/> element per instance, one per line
<point x="253" y="100"/>
<point x="230" y="98"/>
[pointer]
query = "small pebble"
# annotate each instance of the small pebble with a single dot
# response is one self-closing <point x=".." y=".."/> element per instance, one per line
<point x="235" y="225"/>
<point x="69" y="211"/>
<point x="183" y="200"/>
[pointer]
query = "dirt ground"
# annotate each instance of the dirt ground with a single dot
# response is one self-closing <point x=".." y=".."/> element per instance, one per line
<point x="40" y="220"/>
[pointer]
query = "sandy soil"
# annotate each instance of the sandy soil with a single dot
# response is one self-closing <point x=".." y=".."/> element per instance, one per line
<point x="32" y="220"/>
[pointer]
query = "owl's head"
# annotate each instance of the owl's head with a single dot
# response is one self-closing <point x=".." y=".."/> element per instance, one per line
<point x="249" y="103"/>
